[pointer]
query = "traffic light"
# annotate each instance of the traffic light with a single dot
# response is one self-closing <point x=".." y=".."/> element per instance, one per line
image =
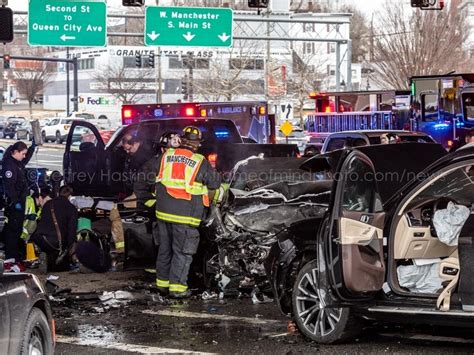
<point x="184" y="87"/>
<point x="133" y="2"/>
<point x="138" y="61"/>
<point x="258" y="3"/>
<point x="151" y="60"/>
<point x="6" y="24"/>
<point x="6" y="61"/>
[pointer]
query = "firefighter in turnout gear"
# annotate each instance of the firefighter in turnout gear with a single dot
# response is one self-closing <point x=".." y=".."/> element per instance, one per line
<point x="183" y="180"/>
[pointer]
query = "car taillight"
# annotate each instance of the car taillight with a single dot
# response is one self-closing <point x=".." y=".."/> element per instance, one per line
<point x="212" y="158"/>
<point x="450" y="143"/>
<point x="66" y="127"/>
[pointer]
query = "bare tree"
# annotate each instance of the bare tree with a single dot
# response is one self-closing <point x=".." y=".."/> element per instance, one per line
<point x="126" y="85"/>
<point x="231" y="73"/>
<point x="417" y="43"/>
<point x="359" y="33"/>
<point x="306" y="77"/>
<point x="31" y="82"/>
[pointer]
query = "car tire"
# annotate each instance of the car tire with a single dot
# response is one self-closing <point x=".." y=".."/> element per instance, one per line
<point x="43" y="137"/>
<point x="58" y="138"/>
<point x="37" y="337"/>
<point x="324" y="325"/>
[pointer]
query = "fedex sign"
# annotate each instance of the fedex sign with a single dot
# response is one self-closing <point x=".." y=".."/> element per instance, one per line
<point x="88" y="100"/>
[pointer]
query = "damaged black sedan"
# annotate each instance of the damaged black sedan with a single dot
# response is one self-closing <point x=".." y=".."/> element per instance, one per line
<point x="396" y="242"/>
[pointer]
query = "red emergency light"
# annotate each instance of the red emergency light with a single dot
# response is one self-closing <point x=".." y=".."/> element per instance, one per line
<point x="189" y="111"/>
<point x="127" y="113"/>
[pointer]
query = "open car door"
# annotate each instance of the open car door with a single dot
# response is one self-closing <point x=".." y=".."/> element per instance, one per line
<point x="84" y="160"/>
<point x="354" y="246"/>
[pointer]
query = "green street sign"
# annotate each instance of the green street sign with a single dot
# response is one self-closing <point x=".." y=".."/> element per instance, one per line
<point x="67" y="23"/>
<point x="188" y="26"/>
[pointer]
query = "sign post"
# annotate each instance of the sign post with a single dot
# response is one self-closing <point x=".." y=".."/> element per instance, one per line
<point x="68" y="24"/>
<point x="188" y="26"/>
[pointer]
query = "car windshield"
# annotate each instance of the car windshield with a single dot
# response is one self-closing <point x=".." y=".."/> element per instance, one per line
<point x="457" y="185"/>
<point x="407" y="138"/>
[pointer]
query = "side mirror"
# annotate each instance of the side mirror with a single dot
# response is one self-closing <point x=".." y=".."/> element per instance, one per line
<point x="1" y="268"/>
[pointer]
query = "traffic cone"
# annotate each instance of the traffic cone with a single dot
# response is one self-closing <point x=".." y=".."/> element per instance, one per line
<point x="30" y="252"/>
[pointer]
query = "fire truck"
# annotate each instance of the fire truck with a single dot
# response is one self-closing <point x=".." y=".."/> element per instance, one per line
<point x="441" y="106"/>
<point x="254" y="123"/>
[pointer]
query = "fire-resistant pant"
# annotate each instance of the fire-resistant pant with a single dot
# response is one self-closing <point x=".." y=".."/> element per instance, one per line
<point x="178" y="244"/>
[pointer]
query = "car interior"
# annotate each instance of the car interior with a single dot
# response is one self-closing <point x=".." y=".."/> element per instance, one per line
<point x="425" y="263"/>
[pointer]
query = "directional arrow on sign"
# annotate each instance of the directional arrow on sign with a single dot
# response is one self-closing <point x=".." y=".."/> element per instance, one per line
<point x="288" y="110"/>
<point x="224" y="37"/>
<point x="65" y="38"/>
<point x="189" y="36"/>
<point x="153" y="35"/>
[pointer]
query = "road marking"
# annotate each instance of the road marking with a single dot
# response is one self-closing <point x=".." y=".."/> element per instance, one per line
<point x="136" y="348"/>
<point x="185" y="314"/>
<point x="428" y="337"/>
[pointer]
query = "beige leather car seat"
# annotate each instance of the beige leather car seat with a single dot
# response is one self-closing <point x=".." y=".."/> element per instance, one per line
<point x="448" y="271"/>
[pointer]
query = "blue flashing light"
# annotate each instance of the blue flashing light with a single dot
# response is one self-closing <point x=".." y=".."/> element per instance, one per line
<point x="221" y="134"/>
<point x="441" y="126"/>
<point x="158" y="112"/>
<point x="460" y="124"/>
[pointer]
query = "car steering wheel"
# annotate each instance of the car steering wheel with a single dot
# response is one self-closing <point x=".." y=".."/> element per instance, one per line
<point x="440" y="203"/>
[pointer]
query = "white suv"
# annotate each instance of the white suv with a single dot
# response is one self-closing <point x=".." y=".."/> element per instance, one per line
<point x="57" y="129"/>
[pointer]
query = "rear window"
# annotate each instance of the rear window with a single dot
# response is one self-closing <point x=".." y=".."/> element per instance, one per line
<point x="212" y="131"/>
<point x="336" y="143"/>
<point x="68" y="121"/>
<point x="406" y="139"/>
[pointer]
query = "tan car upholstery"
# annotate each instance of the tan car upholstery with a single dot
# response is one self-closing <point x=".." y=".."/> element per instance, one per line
<point x="446" y="267"/>
<point x="418" y="243"/>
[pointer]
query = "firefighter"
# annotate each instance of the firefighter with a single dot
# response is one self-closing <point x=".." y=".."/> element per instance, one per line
<point x="16" y="190"/>
<point x="182" y="196"/>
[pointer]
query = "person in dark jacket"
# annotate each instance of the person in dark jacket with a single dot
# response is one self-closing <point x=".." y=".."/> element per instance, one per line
<point x="56" y="231"/>
<point x="138" y="153"/>
<point x="184" y="179"/>
<point x="16" y="190"/>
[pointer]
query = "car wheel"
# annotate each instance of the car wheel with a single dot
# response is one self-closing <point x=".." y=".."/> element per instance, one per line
<point x="43" y="137"/>
<point x="317" y="322"/>
<point x="37" y="338"/>
<point x="58" y="138"/>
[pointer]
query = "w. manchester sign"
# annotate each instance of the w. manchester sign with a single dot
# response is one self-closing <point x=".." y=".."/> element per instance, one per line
<point x="188" y="26"/>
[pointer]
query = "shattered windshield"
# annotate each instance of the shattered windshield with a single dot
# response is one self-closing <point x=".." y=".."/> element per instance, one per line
<point x="457" y="185"/>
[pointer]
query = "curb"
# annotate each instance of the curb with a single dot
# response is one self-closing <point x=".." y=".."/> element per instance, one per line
<point x="6" y="142"/>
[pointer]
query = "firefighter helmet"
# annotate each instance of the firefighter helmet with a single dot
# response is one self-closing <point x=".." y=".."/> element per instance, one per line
<point x="192" y="133"/>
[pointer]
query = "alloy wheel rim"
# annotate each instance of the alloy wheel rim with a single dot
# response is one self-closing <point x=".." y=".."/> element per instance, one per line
<point x="35" y="345"/>
<point x="314" y="315"/>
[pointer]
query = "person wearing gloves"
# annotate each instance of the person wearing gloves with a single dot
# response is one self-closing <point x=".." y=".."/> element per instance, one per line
<point x="16" y="190"/>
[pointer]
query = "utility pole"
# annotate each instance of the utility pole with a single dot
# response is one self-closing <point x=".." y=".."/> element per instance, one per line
<point x="190" y="62"/>
<point x="68" y="108"/>
<point x="159" y="79"/>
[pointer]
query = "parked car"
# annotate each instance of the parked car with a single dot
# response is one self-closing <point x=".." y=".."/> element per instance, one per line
<point x="297" y="136"/>
<point x="24" y="131"/>
<point x="56" y="130"/>
<point x="377" y="253"/>
<point x="3" y="120"/>
<point x="11" y="126"/>
<point x="345" y="139"/>
<point x="26" y="323"/>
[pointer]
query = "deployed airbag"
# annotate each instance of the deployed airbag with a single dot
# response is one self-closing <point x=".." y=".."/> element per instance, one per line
<point x="449" y="222"/>
<point x="420" y="278"/>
